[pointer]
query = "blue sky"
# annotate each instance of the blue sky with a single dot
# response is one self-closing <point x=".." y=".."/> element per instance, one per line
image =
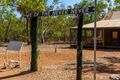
<point x="66" y="2"/>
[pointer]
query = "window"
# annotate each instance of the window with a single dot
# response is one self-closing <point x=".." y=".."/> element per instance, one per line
<point x="89" y="33"/>
<point x="115" y="34"/>
<point x="99" y="34"/>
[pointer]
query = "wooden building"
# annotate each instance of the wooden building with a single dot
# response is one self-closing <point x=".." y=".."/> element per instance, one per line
<point x="108" y="32"/>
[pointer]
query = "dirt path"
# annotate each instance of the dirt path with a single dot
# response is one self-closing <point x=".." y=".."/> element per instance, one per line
<point x="62" y="65"/>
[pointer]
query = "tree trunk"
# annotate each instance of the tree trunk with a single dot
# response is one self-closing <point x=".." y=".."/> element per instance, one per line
<point x="27" y="31"/>
<point x="64" y="37"/>
<point x="43" y="31"/>
<point x="34" y="43"/>
<point x="7" y="30"/>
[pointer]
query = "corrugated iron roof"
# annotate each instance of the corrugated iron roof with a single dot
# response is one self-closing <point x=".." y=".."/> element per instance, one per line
<point x="111" y="20"/>
<point x="104" y="24"/>
<point x="115" y="15"/>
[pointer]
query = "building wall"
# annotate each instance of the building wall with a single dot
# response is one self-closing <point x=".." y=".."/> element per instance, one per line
<point x="105" y="37"/>
<point x="112" y="37"/>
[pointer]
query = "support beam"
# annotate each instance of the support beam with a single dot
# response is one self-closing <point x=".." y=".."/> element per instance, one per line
<point x="34" y="43"/>
<point x="79" y="48"/>
<point x="62" y="12"/>
<point x="95" y="39"/>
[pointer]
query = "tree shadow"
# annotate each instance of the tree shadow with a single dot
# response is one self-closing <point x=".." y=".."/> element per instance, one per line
<point x="88" y="66"/>
<point x="103" y="49"/>
<point x="112" y="59"/>
<point x="102" y="68"/>
<point x="70" y="66"/>
<point x="107" y="68"/>
<point x="15" y="75"/>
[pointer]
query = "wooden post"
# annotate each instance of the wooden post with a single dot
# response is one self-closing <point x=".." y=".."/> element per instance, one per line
<point x="34" y="43"/>
<point x="85" y="38"/>
<point x="70" y="37"/>
<point x="103" y="36"/>
<point x="79" y="48"/>
<point x="95" y="39"/>
<point x="55" y="48"/>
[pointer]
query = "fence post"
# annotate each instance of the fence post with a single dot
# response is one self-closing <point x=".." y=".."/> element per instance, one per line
<point x="34" y="43"/>
<point x="79" y="47"/>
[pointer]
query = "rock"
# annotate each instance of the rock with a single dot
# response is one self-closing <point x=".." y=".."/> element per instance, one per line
<point x="12" y="64"/>
<point x="115" y="77"/>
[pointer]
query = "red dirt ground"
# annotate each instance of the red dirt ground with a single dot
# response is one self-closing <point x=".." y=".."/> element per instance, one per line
<point x="54" y="66"/>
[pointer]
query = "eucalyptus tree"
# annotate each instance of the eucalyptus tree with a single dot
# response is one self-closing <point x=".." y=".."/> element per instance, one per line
<point x="109" y="2"/>
<point x="45" y="22"/>
<point x="101" y="6"/>
<point x="7" y="14"/>
<point x="27" y="7"/>
<point x="117" y="1"/>
<point x="57" y="27"/>
<point x="117" y="5"/>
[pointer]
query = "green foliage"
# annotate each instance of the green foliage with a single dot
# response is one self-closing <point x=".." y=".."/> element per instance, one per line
<point x="117" y="6"/>
<point x="25" y="6"/>
<point x="55" y="28"/>
<point x="88" y="17"/>
<point x="117" y="1"/>
<point x="30" y="6"/>
<point x="11" y="27"/>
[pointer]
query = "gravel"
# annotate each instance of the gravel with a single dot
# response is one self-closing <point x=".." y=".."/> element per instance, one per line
<point x="51" y="72"/>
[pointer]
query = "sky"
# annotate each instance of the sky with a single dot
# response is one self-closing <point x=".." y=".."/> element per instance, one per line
<point x="66" y="2"/>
